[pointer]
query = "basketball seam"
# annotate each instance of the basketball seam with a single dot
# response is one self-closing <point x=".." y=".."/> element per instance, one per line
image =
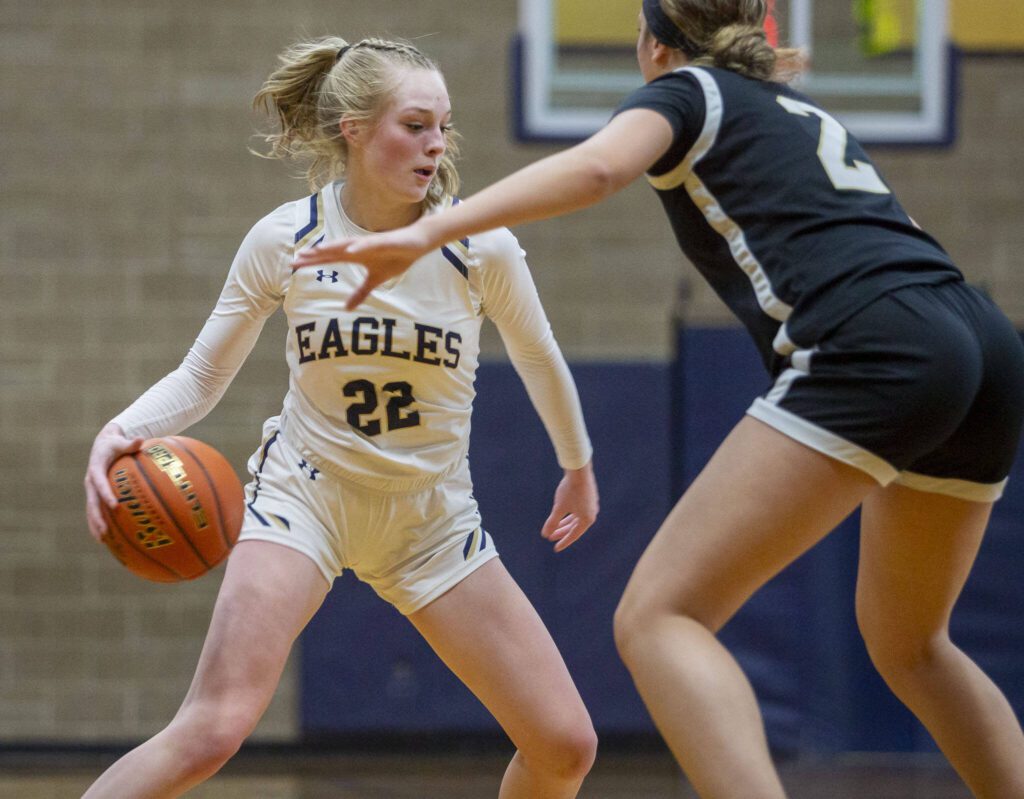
<point x="113" y="523"/>
<point x="157" y="498"/>
<point x="213" y="489"/>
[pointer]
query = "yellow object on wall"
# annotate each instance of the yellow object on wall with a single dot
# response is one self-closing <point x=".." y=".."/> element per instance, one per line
<point x="988" y="24"/>
<point x="595" y="22"/>
<point x="886" y="25"/>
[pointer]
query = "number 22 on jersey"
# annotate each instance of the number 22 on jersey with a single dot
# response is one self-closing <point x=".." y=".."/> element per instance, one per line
<point x="399" y="413"/>
<point x="858" y="176"/>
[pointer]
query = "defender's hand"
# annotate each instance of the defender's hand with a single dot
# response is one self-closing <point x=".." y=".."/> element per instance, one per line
<point x="384" y="255"/>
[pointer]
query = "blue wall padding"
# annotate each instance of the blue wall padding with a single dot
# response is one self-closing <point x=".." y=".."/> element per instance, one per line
<point x="364" y="669"/>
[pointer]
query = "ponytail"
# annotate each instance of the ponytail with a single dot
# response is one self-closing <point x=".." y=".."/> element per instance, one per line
<point x="730" y="34"/>
<point x="743" y="49"/>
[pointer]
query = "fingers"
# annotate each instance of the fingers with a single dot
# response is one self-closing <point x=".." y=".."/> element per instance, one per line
<point x="551" y="525"/>
<point x="101" y="486"/>
<point x="93" y="512"/>
<point x="323" y="254"/>
<point x="565" y="528"/>
<point x="93" y="519"/>
<point x="574" y="510"/>
<point x="360" y="294"/>
<point x="572" y="535"/>
<point x="569" y="531"/>
<point x="98" y="491"/>
<point x="332" y="253"/>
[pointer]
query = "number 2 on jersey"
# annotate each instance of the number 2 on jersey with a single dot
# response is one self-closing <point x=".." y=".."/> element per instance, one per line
<point x="397" y="410"/>
<point x="857" y="176"/>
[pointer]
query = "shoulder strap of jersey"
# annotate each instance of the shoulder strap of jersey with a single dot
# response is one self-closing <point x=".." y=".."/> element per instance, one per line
<point x="309" y="221"/>
<point x="457" y="252"/>
<point x="713" y="111"/>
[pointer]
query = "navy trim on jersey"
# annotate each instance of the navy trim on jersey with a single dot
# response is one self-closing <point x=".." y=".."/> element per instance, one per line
<point x="313" y="218"/>
<point x="453" y="259"/>
<point x="450" y="254"/>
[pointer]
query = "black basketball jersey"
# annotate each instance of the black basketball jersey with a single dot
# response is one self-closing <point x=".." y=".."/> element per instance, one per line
<point x="779" y="207"/>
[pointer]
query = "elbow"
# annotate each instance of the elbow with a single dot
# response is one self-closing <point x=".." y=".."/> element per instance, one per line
<point x="602" y="179"/>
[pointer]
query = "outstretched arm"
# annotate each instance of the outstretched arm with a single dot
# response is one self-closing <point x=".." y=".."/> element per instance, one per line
<point x="562" y="183"/>
<point x="559" y="184"/>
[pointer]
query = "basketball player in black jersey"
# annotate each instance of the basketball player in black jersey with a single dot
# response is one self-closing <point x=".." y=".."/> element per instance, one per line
<point x="897" y="388"/>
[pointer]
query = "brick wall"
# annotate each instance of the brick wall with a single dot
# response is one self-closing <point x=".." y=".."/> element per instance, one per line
<point x="126" y="187"/>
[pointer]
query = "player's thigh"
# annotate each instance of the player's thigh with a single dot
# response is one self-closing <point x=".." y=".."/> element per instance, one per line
<point x="489" y="635"/>
<point x="916" y="552"/>
<point x="267" y="597"/>
<point x="761" y="501"/>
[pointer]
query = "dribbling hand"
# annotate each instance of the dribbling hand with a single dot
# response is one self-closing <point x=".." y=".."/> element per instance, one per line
<point x="110" y="444"/>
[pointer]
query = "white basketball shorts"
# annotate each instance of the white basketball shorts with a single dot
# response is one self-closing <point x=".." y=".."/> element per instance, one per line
<point x="410" y="547"/>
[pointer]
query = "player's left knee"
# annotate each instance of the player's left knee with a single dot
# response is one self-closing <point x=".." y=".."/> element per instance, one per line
<point x="569" y="754"/>
<point x="900" y="658"/>
<point x="214" y="732"/>
<point x="634" y="617"/>
<point x="623" y="630"/>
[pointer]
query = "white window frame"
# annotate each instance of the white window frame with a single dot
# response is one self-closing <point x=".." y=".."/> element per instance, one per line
<point x="932" y="80"/>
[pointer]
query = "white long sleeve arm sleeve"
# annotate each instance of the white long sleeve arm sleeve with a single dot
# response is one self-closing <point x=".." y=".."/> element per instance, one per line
<point x="253" y="290"/>
<point x="510" y="300"/>
<point x="191" y="391"/>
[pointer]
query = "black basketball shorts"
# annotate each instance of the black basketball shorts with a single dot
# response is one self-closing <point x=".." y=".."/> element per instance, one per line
<point x="924" y="386"/>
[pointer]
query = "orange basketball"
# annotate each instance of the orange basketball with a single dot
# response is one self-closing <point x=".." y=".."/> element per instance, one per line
<point x="179" y="509"/>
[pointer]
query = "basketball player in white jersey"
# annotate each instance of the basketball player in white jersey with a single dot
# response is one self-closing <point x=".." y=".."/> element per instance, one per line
<point x="366" y="466"/>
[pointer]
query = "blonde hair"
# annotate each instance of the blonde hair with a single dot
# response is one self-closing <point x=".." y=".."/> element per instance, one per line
<point x="730" y="34"/>
<point x="321" y="82"/>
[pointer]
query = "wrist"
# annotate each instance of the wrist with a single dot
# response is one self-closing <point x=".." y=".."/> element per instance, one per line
<point x="436" y="228"/>
<point x="431" y="228"/>
<point x="583" y="471"/>
<point x="112" y="429"/>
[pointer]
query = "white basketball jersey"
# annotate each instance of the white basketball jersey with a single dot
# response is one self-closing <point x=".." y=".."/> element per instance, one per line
<point x="381" y="395"/>
<point x="384" y="391"/>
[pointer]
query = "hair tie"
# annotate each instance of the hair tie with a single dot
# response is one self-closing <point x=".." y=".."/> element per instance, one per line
<point x="666" y="31"/>
<point x="342" y="52"/>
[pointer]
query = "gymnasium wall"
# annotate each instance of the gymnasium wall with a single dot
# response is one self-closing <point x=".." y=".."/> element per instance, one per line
<point x="126" y="187"/>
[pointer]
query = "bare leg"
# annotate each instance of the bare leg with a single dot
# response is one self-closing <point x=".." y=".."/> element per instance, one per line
<point x="268" y="595"/>
<point x="489" y="635"/>
<point x="916" y="552"/>
<point x="761" y="501"/>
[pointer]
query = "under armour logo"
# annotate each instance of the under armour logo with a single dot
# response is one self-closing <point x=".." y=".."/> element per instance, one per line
<point x="310" y="471"/>
<point x="321" y="277"/>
